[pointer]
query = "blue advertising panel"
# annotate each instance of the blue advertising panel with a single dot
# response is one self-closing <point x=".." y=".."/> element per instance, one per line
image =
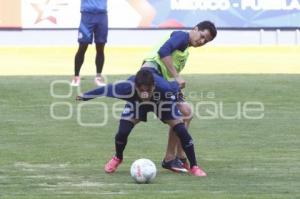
<point x="156" y="13"/>
<point x="224" y="13"/>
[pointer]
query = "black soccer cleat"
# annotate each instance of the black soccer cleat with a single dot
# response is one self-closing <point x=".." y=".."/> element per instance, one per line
<point x="174" y="165"/>
<point x="185" y="163"/>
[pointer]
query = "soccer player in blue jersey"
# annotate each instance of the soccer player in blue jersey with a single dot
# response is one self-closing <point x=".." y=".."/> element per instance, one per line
<point x="168" y="59"/>
<point x="146" y="92"/>
<point x="93" y="26"/>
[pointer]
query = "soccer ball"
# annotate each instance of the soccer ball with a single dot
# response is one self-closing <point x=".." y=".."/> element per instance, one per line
<point x="143" y="170"/>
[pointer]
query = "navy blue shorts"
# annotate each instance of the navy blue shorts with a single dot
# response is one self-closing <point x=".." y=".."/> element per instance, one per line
<point x="139" y="110"/>
<point x="93" y="26"/>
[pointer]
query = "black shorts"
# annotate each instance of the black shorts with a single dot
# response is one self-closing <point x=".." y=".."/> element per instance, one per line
<point x="139" y="110"/>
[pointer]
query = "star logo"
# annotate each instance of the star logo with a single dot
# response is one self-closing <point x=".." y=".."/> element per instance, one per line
<point x="46" y="10"/>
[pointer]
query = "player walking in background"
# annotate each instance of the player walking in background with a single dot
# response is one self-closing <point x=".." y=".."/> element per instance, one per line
<point x="93" y="26"/>
<point x="169" y="59"/>
<point x="146" y="92"/>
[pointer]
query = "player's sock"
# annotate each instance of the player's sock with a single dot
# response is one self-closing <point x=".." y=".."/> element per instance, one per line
<point x="125" y="128"/>
<point x="79" y="59"/>
<point x="99" y="60"/>
<point x="186" y="142"/>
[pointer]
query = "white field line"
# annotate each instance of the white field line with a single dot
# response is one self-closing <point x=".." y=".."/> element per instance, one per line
<point x="26" y="165"/>
<point x="82" y="184"/>
<point x="93" y="193"/>
<point x="48" y="177"/>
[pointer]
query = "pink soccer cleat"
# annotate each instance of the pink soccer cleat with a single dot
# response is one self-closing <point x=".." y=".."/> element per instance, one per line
<point x="197" y="171"/>
<point x="112" y="165"/>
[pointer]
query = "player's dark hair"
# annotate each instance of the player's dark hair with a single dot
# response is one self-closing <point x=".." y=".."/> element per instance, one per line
<point x="208" y="25"/>
<point x="144" y="78"/>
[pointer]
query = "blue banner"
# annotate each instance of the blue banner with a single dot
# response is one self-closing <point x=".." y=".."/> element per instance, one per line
<point x="224" y="13"/>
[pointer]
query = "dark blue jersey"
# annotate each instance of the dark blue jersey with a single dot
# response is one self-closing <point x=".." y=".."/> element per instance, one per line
<point x="125" y="90"/>
<point x="93" y="6"/>
<point x="179" y="40"/>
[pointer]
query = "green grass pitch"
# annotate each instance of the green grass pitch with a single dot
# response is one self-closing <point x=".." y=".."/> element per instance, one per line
<point x="43" y="157"/>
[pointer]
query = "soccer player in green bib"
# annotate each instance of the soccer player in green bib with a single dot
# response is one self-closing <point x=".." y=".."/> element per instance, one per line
<point x="169" y="59"/>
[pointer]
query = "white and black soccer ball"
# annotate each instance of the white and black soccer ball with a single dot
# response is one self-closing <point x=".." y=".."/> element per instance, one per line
<point x="143" y="170"/>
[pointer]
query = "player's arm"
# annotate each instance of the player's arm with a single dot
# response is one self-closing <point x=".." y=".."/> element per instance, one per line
<point x="122" y="90"/>
<point x="177" y="41"/>
<point x="98" y="92"/>
<point x="169" y="63"/>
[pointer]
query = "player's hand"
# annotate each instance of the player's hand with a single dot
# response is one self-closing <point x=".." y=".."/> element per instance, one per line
<point x="180" y="81"/>
<point x="79" y="98"/>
